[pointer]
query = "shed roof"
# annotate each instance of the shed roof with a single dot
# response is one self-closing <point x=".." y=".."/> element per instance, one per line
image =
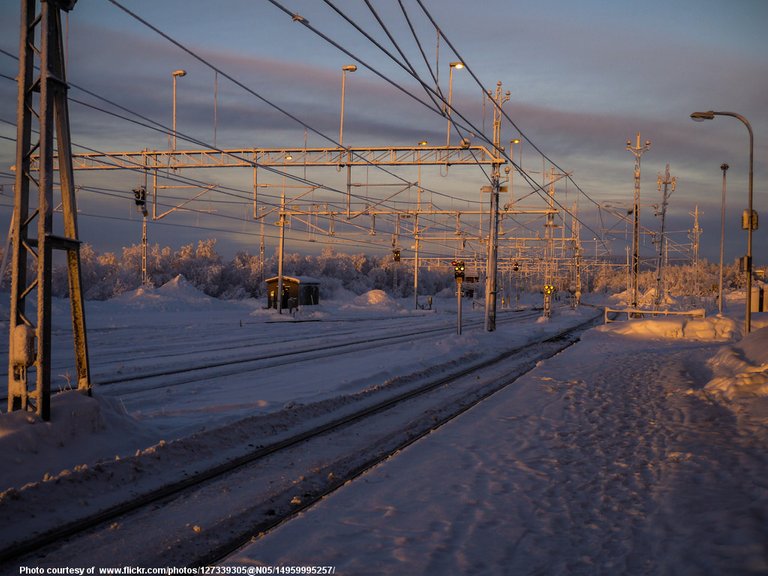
<point x="297" y="279"/>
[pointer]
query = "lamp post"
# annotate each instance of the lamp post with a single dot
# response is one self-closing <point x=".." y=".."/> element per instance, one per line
<point x="749" y="221"/>
<point x="724" y="168"/>
<point x="512" y="151"/>
<point x="344" y="70"/>
<point x="416" y="238"/>
<point x="176" y="74"/>
<point x="511" y="176"/>
<point x="458" y="66"/>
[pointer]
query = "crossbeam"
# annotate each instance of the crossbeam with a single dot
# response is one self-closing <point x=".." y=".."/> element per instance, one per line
<point x="315" y="210"/>
<point x="287" y="157"/>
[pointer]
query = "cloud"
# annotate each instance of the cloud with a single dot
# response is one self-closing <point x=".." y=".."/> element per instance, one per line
<point x="584" y="77"/>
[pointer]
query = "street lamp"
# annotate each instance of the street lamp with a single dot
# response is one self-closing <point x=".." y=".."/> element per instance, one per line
<point x="511" y="174"/>
<point x="458" y="66"/>
<point x="416" y="228"/>
<point x="344" y="70"/>
<point x="724" y="168"/>
<point x="750" y="220"/>
<point x="175" y="74"/>
<point x="512" y="151"/>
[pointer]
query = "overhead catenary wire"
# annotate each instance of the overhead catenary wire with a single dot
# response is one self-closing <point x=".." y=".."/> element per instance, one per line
<point x="160" y="127"/>
<point x="522" y="134"/>
<point x="337" y="238"/>
<point x="199" y="58"/>
<point x="157" y="126"/>
<point x="319" y="186"/>
<point x="538" y="188"/>
<point x="139" y="168"/>
<point x="249" y="90"/>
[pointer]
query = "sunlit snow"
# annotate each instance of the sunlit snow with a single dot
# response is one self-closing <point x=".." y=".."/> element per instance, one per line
<point x="631" y="452"/>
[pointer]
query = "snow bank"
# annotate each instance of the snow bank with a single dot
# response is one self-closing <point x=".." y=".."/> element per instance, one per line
<point x="375" y="300"/>
<point x="741" y="370"/>
<point x="175" y="295"/>
<point x="712" y="329"/>
<point x="647" y="299"/>
<point x="88" y="425"/>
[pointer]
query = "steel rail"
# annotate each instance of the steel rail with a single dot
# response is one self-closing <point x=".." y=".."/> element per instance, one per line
<point x="294" y="355"/>
<point x="558" y="342"/>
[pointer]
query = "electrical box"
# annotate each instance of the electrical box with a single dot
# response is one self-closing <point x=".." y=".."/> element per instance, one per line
<point x="758" y="302"/>
<point x="745" y="223"/>
<point x="23" y="346"/>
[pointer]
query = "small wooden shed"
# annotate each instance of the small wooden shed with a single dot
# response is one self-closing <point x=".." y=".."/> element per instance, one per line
<point x="297" y="291"/>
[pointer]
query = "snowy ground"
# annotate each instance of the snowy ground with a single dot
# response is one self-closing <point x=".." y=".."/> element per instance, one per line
<point x="583" y="467"/>
<point x="176" y="326"/>
<point x="642" y="449"/>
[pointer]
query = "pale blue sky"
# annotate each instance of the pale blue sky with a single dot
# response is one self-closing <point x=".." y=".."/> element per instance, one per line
<point x="584" y="77"/>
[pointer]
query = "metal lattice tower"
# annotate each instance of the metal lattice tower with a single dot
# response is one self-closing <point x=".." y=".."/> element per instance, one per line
<point x="695" y="236"/>
<point x="42" y="99"/>
<point x="493" y="227"/>
<point x="664" y="187"/>
<point x="637" y="151"/>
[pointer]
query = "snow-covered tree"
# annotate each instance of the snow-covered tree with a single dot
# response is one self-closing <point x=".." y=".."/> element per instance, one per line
<point x="110" y="274"/>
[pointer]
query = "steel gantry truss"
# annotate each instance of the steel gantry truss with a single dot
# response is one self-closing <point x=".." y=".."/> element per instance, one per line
<point x="282" y="158"/>
<point x="42" y="95"/>
<point x="287" y="157"/>
<point x="157" y="161"/>
<point x="278" y="159"/>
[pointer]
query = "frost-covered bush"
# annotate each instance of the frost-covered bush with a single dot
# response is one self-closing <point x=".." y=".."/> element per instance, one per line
<point x="110" y="274"/>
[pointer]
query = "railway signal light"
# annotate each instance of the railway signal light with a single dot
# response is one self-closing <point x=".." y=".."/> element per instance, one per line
<point x="549" y="289"/>
<point x="458" y="269"/>
<point x="140" y="197"/>
<point x="396" y="255"/>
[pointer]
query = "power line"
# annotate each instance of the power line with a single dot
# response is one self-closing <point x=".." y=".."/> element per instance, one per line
<point x="165" y="130"/>
<point x="159" y="127"/>
<point x="248" y="90"/>
<point x="378" y="73"/>
<point x="409" y="69"/>
<point x="139" y="168"/>
<point x="535" y="147"/>
<point x="298" y="18"/>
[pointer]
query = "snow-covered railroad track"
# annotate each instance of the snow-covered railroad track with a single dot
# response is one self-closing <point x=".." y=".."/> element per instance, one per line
<point x="144" y="346"/>
<point x="240" y="489"/>
<point x="222" y="358"/>
<point x="227" y="338"/>
<point x="222" y="365"/>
